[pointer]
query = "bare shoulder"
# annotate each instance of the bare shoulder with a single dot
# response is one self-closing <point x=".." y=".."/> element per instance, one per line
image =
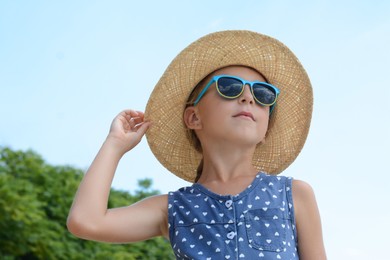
<point x="304" y="199"/>
<point x="301" y="188"/>
<point x="302" y="191"/>
<point x="155" y="207"/>
<point x="308" y="221"/>
<point x="150" y="213"/>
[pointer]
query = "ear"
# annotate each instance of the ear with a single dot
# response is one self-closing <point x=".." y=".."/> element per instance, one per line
<point x="191" y="118"/>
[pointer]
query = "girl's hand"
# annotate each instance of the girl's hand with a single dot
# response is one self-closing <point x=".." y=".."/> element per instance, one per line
<point x="127" y="129"/>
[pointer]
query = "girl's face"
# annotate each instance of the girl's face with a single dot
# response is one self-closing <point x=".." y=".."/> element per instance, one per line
<point x="239" y="120"/>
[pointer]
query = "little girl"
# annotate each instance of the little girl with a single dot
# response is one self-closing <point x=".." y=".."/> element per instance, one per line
<point x="231" y="112"/>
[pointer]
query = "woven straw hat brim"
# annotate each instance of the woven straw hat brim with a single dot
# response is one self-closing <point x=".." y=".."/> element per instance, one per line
<point x="290" y="120"/>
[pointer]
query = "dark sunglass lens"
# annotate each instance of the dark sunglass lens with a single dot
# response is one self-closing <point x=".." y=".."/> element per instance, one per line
<point x="229" y="87"/>
<point x="264" y="94"/>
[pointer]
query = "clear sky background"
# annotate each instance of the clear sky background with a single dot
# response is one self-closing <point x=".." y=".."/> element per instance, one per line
<point x="67" y="68"/>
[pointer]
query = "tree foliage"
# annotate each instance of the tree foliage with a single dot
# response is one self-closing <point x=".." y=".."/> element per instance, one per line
<point x="35" y="198"/>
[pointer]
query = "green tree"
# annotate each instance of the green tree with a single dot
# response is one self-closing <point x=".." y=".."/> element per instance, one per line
<point x="35" y="198"/>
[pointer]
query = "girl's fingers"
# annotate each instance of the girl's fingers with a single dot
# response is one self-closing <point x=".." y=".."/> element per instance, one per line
<point x="128" y="114"/>
<point x="131" y="121"/>
<point x="137" y="120"/>
<point x="135" y="113"/>
<point x="142" y="128"/>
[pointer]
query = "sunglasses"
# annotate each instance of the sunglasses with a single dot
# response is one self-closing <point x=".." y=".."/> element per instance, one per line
<point x="232" y="87"/>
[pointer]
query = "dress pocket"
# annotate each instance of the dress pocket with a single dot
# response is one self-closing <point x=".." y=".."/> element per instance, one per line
<point x="266" y="229"/>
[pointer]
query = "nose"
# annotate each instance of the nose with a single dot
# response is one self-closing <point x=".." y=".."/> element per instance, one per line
<point x="246" y="96"/>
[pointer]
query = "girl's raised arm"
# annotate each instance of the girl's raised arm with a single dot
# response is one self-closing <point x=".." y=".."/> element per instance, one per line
<point x="89" y="217"/>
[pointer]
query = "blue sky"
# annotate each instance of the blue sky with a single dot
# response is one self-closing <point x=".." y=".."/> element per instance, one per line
<point x="67" y="68"/>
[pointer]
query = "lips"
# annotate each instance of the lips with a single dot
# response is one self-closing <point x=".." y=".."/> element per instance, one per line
<point x="245" y="114"/>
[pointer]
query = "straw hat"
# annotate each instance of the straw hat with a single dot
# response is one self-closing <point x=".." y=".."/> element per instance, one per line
<point x="289" y="122"/>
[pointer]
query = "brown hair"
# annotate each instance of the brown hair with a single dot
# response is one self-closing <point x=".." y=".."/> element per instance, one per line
<point x="191" y="135"/>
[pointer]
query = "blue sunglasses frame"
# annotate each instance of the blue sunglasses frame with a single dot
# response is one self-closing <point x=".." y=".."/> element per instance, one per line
<point x="244" y="83"/>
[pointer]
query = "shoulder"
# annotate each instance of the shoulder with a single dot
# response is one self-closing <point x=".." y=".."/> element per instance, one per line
<point x="308" y="221"/>
<point x="276" y="182"/>
<point x="155" y="209"/>
<point x="303" y="194"/>
<point x="305" y="204"/>
<point x="301" y="189"/>
<point x="273" y="178"/>
<point x="183" y="192"/>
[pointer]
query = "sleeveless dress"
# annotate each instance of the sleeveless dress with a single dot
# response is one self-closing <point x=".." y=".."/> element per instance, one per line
<point x="257" y="223"/>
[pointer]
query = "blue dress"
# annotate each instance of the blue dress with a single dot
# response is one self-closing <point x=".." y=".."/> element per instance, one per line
<point x="257" y="223"/>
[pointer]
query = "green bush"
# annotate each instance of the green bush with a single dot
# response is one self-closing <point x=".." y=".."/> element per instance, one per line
<point x="34" y="202"/>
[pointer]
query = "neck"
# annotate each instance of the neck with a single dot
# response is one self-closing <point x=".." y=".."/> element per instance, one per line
<point x="224" y="163"/>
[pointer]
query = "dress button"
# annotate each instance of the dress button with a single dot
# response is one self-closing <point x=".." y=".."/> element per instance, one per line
<point x="228" y="203"/>
<point x="231" y="235"/>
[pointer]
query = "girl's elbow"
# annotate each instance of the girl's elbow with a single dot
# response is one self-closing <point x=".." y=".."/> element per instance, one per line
<point x="73" y="225"/>
<point x="79" y="227"/>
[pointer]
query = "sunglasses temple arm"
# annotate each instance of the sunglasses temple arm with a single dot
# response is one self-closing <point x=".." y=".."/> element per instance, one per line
<point x="202" y="92"/>
<point x="271" y="109"/>
<point x="277" y="91"/>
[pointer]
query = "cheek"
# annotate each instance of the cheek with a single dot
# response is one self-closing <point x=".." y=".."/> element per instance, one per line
<point x="263" y="130"/>
<point x="263" y="124"/>
<point x="213" y="107"/>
